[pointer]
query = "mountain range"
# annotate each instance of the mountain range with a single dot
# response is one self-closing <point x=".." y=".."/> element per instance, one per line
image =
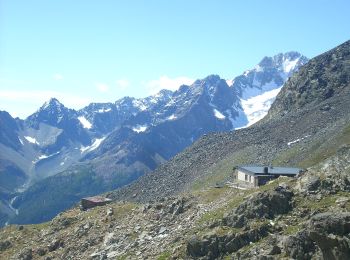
<point x="57" y="155"/>
<point x="188" y="208"/>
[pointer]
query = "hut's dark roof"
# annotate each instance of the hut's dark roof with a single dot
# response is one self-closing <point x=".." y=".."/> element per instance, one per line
<point x="259" y="170"/>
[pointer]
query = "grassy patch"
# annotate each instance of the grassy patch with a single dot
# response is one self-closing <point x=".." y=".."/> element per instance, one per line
<point x="164" y="256"/>
<point x="323" y="204"/>
<point x="291" y="229"/>
<point x="123" y="257"/>
<point x="211" y="194"/>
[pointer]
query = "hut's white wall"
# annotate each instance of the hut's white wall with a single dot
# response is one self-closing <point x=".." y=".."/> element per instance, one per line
<point x="241" y="176"/>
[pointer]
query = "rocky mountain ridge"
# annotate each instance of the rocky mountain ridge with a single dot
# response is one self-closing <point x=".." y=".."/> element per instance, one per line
<point x="118" y="142"/>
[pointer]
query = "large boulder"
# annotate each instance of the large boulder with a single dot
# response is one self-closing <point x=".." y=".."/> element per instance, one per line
<point x="265" y="204"/>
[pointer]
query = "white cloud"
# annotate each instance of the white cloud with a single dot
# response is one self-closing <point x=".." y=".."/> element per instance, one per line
<point x="57" y="76"/>
<point x="164" y="82"/>
<point x="102" y="87"/>
<point x="122" y="84"/>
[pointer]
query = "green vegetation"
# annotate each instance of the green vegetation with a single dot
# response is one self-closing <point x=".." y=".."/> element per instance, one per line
<point x="164" y="256"/>
<point x="211" y="194"/>
<point x="291" y="229"/>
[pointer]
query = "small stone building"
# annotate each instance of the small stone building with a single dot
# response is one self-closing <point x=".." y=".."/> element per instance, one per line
<point x="90" y="202"/>
<point x="260" y="175"/>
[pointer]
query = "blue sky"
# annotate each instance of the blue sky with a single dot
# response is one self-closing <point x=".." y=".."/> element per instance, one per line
<point x="99" y="51"/>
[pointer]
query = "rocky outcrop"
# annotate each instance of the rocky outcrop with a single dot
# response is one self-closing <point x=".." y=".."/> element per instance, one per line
<point x="326" y="234"/>
<point x="299" y="246"/>
<point x="329" y="177"/>
<point x="264" y="205"/>
<point x="331" y="233"/>
<point x="212" y="246"/>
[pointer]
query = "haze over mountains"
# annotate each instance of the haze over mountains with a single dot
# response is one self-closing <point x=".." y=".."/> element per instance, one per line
<point x="106" y="145"/>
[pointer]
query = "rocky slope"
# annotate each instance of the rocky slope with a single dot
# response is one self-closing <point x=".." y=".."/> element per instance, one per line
<point x="303" y="136"/>
<point x="290" y="218"/>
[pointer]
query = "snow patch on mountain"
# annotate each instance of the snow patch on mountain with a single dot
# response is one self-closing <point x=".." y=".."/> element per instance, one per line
<point x="92" y="147"/>
<point x="140" y="128"/>
<point x="297" y="140"/>
<point x="258" y="68"/>
<point x="84" y="122"/>
<point x="43" y="156"/>
<point x="218" y="114"/>
<point x="172" y="117"/>
<point x="257" y="107"/>
<point x="103" y="110"/>
<point x="289" y="65"/>
<point x="139" y="104"/>
<point x="257" y="89"/>
<point x="229" y="82"/>
<point x="31" y="139"/>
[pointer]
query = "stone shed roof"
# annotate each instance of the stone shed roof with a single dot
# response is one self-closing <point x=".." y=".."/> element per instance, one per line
<point x="97" y="199"/>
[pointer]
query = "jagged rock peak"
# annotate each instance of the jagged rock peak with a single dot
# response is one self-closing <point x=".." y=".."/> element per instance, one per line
<point x="52" y="103"/>
<point x="286" y="62"/>
<point x="211" y="79"/>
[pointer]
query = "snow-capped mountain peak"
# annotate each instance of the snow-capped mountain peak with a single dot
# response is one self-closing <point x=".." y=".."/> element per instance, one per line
<point x="268" y="76"/>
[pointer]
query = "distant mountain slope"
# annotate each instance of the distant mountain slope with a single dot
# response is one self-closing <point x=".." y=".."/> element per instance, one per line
<point x="299" y="130"/>
<point x="121" y="141"/>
